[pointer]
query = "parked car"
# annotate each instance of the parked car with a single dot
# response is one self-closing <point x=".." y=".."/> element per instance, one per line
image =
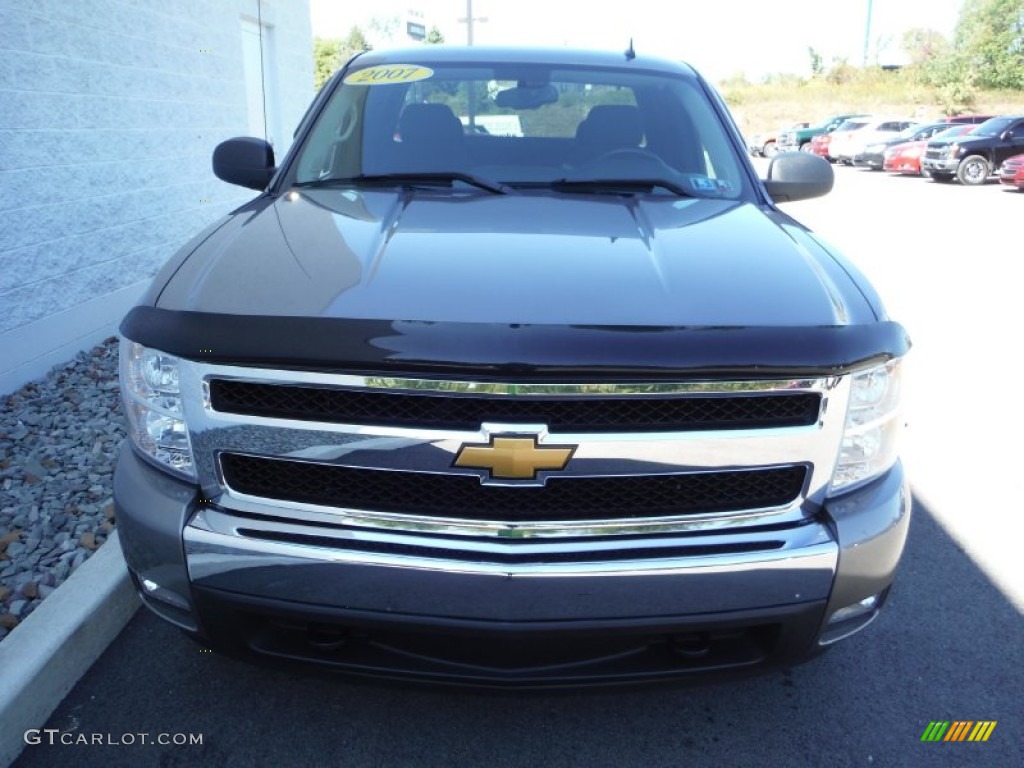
<point x="766" y="144"/>
<point x="972" y="119"/>
<point x="1011" y="172"/>
<point x="822" y="145"/>
<point x="819" y="145"/>
<point x="847" y="144"/>
<point x="573" y="407"/>
<point x="971" y="159"/>
<point x="905" y="158"/>
<point x="800" y="139"/>
<point x="872" y="154"/>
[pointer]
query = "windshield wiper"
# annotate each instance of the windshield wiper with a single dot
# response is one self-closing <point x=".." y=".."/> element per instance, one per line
<point x="402" y="179"/>
<point x="615" y="186"/>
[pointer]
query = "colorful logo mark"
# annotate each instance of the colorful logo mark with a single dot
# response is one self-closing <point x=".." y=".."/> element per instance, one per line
<point x="958" y="730"/>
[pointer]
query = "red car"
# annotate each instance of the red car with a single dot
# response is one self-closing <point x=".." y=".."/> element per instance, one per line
<point x="905" y="158"/>
<point x="819" y="145"/>
<point x="1011" y="172"/>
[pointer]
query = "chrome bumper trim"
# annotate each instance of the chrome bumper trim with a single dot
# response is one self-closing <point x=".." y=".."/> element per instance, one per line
<point x="797" y="565"/>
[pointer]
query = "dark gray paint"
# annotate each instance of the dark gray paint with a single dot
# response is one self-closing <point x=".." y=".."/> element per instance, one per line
<point x="528" y="258"/>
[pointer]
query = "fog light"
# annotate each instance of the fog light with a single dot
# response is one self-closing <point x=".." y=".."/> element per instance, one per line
<point x="851" y="618"/>
<point x="164" y="595"/>
<point x="867" y="605"/>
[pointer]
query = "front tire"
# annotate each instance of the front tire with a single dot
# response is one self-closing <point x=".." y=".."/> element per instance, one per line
<point x="973" y="170"/>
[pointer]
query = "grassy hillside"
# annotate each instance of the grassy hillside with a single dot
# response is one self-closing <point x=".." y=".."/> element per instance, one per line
<point x="785" y="100"/>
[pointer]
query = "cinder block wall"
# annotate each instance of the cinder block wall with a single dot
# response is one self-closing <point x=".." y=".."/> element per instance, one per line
<point x="109" y="112"/>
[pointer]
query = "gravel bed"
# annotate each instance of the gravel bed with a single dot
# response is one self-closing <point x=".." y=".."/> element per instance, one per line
<point x="58" y="440"/>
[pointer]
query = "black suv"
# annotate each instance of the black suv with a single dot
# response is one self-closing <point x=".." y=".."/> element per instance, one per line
<point x="974" y="157"/>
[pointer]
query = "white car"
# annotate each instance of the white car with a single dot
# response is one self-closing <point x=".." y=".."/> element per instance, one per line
<point x="850" y="140"/>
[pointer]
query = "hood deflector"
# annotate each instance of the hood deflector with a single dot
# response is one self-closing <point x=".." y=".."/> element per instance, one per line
<point x="526" y="352"/>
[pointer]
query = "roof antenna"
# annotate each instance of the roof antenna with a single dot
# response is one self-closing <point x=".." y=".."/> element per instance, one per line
<point x="630" y="53"/>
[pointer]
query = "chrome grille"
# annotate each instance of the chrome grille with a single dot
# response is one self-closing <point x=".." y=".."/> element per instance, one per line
<point x="464" y="497"/>
<point x="462" y="411"/>
<point x="379" y="454"/>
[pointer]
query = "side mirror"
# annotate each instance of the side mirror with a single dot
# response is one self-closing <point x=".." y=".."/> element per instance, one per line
<point x="1006" y="135"/>
<point x="245" y="161"/>
<point x="798" y="176"/>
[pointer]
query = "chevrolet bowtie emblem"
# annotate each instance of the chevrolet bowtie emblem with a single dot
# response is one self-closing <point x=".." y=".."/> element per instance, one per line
<point x="514" y="457"/>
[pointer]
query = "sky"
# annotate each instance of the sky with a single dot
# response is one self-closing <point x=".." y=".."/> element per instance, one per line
<point x="721" y="38"/>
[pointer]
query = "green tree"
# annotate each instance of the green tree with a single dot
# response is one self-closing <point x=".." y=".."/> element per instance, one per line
<point x="817" y="66"/>
<point x="841" y="71"/>
<point x="924" y="46"/>
<point x="331" y="53"/>
<point x="386" y="28"/>
<point x="990" y="35"/>
<point x="434" y="36"/>
<point x="326" y="55"/>
<point x="356" y="42"/>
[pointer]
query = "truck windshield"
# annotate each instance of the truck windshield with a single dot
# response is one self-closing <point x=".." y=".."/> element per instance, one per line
<point x="994" y="127"/>
<point x="524" y="126"/>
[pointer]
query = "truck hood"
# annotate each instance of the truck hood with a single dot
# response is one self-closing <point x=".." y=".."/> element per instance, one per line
<point x="966" y="138"/>
<point x="532" y="258"/>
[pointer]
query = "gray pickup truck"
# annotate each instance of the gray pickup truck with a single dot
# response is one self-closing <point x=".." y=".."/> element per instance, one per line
<point x="577" y="406"/>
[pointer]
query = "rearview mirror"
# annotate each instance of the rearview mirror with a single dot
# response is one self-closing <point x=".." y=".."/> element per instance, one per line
<point x="526" y="96"/>
<point x="798" y="176"/>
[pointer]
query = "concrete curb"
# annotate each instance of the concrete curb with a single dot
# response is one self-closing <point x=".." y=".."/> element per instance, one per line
<point x="44" y="656"/>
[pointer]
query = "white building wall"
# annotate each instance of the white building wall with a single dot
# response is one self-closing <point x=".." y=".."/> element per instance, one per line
<point x="109" y="113"/>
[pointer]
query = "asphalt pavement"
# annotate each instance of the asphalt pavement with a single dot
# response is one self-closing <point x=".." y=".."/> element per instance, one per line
<point x="948" y="647"/>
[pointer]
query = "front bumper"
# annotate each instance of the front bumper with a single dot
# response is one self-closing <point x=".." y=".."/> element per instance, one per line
<point x="1013" y="177"/>
<point x="903" y="165"/>
<point x="869" y="159"/>
<point x="518" y="615"/>
<point x="940" y="165"/>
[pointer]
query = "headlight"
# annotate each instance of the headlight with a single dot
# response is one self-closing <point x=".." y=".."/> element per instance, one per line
<point x="954" y="150"/>
<point x="151" y="394"/>
<point x="873" y="423"/>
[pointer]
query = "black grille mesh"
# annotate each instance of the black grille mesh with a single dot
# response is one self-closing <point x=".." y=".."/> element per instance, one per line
<point x="464" y="497"/>
<point x="466" y="412"/>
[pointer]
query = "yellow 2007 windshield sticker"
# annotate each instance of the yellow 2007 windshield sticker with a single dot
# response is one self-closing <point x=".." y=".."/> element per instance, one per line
<point x="388" y="74"/>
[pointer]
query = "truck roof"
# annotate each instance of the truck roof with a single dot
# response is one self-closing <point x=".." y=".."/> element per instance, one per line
<point x="523" y="55"/>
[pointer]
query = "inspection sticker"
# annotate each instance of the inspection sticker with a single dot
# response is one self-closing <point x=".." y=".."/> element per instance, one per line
<point x="388" y="74"/>
<point x="708" y="184"/>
